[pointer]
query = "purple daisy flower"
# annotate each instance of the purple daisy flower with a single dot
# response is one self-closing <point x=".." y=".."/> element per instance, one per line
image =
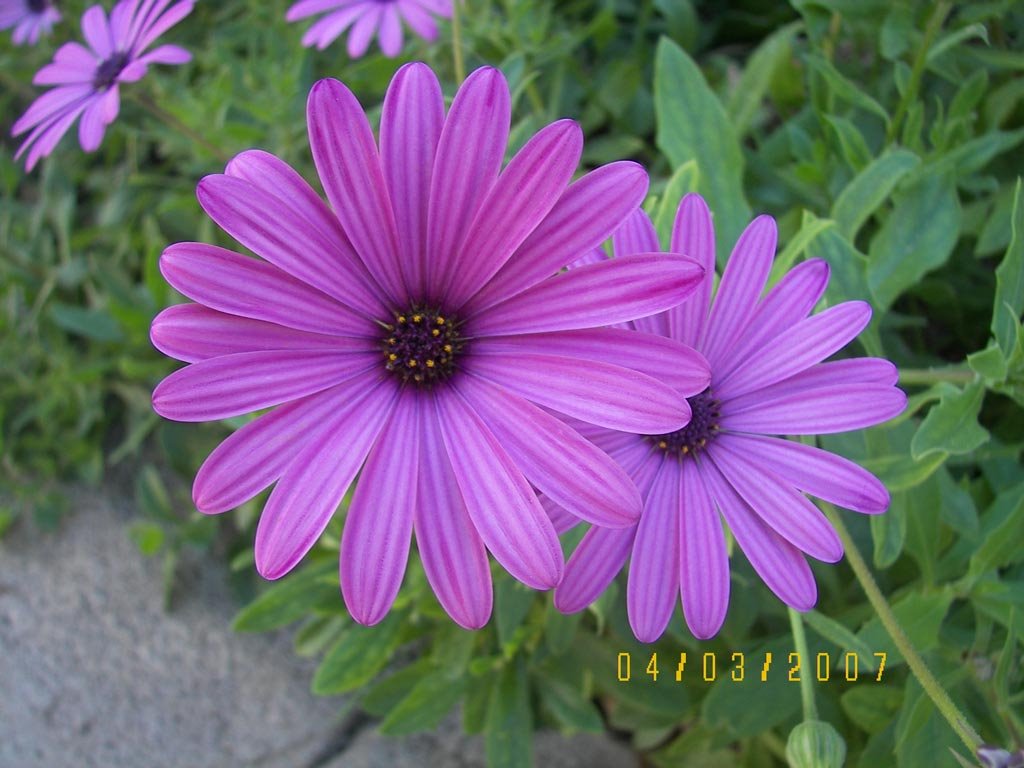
<point x="87" y="79"/>
<point x="30" y="19"/>
<point x="367" y="18"/>
<point x="420" y="325"/>
<point x="767" y="379"/>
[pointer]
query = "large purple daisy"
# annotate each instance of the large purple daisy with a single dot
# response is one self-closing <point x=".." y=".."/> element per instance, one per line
<point x="29" y="18"/>
<point x="420" y="325"/>
<point x="367" y="18"/>
<point x="87" y="79"/>
<point x="767" y="379"/>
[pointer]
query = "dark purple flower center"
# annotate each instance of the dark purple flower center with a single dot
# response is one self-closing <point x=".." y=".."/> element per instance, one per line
<point x="37" y="6"/>
<point x="692" y="438"/>
<point x="421" y="345"/>
<point x="107" y="72"/>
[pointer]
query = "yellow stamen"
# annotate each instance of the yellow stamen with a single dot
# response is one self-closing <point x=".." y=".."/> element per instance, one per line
<point x="430" y="363"/>
<point x="435" y="332"/>
<point x="440" y="320"/>
<point x="392" y="357"/>
<point x="412" y="363"/>
<point x="417" y="318"/>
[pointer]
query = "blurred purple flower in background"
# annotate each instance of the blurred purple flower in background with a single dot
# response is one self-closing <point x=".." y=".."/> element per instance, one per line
<point x="412" y="326"/>
<point x="87" y="79"/>
<point x="767" y="379"/>
<point x="368" y="17"/>
<point x="30" y="19"/>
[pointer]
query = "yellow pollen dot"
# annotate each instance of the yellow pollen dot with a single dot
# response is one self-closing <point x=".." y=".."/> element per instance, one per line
<point x="417" y="318"/>
<point x="440" y="321"/>
<point x="417" y="377"/>
<point x="392" y="357"/>
<point x="401" y="318"/>
<point x="435" y="332"/>
<point x="412" y="363"/>
<point x="430" y="363"/>
<point x="447" y="347"/>
<point x="702" y="443"/>
<point x="663" y="444"/>
<point x="392" y="340"/>
<point x="686" y="449"/>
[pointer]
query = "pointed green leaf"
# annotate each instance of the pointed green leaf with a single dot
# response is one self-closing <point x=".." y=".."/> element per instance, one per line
<point x="952" y="426"/>
<point x="1009" y="302"/>
<point x="870" y="188"/>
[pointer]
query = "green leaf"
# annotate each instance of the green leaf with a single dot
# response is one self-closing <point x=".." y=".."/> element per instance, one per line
<point x="810" y="229"/>
<point x="952" y="426"/>
<point x="872" y="706"/>
<point x="1009" y="302"/>
<point x="900" y="472"/>
<point x="958" y="509"/>
<point x="148" y="537"/>
<point x="508" y="738"/>
<point x="889" y="532"/>
<point x="989" y="363"/>
<point x="91" y="323"/>
<point x="1004" y="531"/>
<point x="845" y="88"/>
<point x="852" y="144"/>
<point x="693" y="125"/>
<point x="360" y="653"/>
<point x="920" y="615"/>
<point x="917" y="237"/>
<point x="512" y="602"/>
<point x="568" y="706"/>
<point x="287" y="600"/>
<point x="923" y="737"/>
<point x="427" y="704"/>
<point x="836" y="633"/>
<point x="870" y="188"/>
<point x="560" y="629"/>
<point x="684" y="180"/>
<point x="383" y="695"/>
<point x="760" y="69"/>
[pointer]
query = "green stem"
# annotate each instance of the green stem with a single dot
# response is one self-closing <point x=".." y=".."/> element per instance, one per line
<point x="460" y="66"/>
<point x="806" y="684"/>
<point x="166" y="117"/>
<point x="925" y="376"/>
<point x="930" y="31"/>
<point x="931" y="686"/>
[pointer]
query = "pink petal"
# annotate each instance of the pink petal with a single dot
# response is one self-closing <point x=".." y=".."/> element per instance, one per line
<point x="808" y="342"/>
<point x="603" y="394"/>
<point x="390" y="34"/>
<point x="192" y="332"/>
<point x="817" y="472"/>
<point x="522" y="196"/>
<point x="560" y="518"/>
<point x="555" y="459"/>
<point x="452" y="551"/>
<point x="637" y="235"/>
<point x="410" y="127"/>
<point x="595" y="295"/>
<point x="97" y="31"/>
<point x="290" y="238"/>
<point x="346" y="160"/>
<point x="596" y="561"/>
<point x="681" y="367"/>
<point x="788" y="512"/>
<point x="501" y="504"/>
<point x="693" y="235"/>
<point x="306" y="8"/>
<point x="326" y="30"/>
<point x="469" y="155"/>
<point x="704" y="560"/>
<point x="378" y="529"/>
<point x="654" y="567"/>
<point x="53" y="103"/>
<point x="836" y="408"/>
<point x="236" y="284"/>
<point x="157" y="26"/>
<point x="785" y="305"/>
<point x="362" y="31"/>
<point x="167" y="54"/>
<point x="742" y="282"/>
<point x="779" y="564"/>
<point x="258" y="454"/>
<point x="589" y="211"/>
<point x="227" y="386"/>
<point x="419" y="20"/>
<point x="310" y="490"/>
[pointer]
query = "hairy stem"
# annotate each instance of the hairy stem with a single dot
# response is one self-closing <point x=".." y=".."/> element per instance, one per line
<point x="924" y="676"/>
<point x="954" y="375"/>
<point x="806" y="684"/>
<point x="460" y="66"/>
<point x="166" y="117"/>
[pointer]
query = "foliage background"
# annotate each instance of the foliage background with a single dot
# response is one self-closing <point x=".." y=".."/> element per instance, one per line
<point x="884" y="137"/>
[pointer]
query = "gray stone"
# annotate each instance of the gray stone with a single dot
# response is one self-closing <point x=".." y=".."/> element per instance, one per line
<point x="96" y="674"/>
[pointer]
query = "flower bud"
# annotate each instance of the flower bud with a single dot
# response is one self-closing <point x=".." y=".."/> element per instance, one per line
<point x="815" y="744"/>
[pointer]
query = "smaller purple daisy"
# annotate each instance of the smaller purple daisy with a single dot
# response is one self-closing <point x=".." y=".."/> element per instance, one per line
<point x="368" y="17"/>
<point x="87" y="79"/>
<point x="30" y="19"/>
<point x="731" y="461"/>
